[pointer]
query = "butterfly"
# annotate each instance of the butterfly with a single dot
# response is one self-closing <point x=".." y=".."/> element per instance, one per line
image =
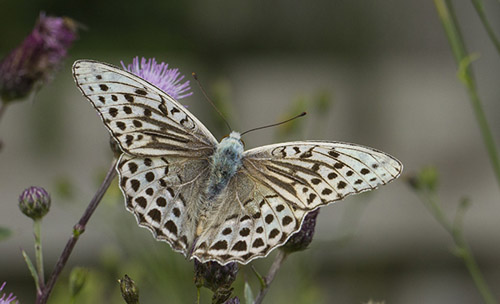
<point x="212" y="200"/>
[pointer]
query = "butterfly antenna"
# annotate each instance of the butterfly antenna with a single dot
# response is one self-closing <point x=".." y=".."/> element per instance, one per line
<point x="276" y="124"/>
<point x="195" y="76"/>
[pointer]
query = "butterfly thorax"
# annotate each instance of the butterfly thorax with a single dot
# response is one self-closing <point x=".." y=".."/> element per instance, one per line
<point x="224" y="163"/>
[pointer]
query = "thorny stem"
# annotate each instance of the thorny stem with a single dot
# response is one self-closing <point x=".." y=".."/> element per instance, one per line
<point x="78" y="229"/>
<point x="38" y="254"/>
<point x="278" y="261"/>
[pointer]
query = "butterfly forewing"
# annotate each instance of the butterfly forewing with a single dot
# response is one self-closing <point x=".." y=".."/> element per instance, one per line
<point x="312" y="173"/>
<point x="142" y="118"/>
<point x="163" y="173"/>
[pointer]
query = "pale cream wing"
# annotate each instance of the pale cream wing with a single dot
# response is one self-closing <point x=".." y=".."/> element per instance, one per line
<point x="164" y="193"/>
<point x="143" y="119"/>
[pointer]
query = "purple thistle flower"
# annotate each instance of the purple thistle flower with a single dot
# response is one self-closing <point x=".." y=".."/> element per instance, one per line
<point x="34" y="202"/>
<point x="6" y="299"/>
<point x="33" y="62"/>
<point x="168" y="80"/>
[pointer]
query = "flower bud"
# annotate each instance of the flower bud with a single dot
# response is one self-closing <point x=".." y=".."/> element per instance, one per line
<point x="427" y="179"/>
<point x="130" y="292"/>
<point x="34" y="202"/>
<point x="301" y="239"/>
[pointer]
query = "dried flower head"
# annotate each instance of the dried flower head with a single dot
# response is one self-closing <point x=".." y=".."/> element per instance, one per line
<point x="302" y="238"/>
<point x="33" y="62"/>
<point x="216" y="277"/>
<point x="168" y="80"/>
<point x="34" y="202"/>
<point x="6" y="299"/>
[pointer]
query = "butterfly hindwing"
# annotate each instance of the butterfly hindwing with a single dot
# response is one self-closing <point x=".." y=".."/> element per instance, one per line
<point x="142" y="118"/>
<point x="256" y="220"/>
<point x="163" y="193"/>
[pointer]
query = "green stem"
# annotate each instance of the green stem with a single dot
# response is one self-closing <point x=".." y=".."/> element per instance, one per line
<point x="38" y="252"/>
<point x="78" y="229"/>
<point x="450" y="25"/>
<point x="478" y="5"/>
<point x="485" y="131"/>
<point x="456" y="232"/>
<point x="431" y="202"/>
<point x="471" y="264"/>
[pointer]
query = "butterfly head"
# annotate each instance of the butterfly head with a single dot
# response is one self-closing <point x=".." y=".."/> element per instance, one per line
<point x="231" y="146"/>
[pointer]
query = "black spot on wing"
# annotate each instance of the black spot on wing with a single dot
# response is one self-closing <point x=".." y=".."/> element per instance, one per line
<point x="141" y="92"/>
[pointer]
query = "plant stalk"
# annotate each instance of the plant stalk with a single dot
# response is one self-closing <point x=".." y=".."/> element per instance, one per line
<point x="38" y="253"/>
<point x="78" y="229"/>
<point x="275" y="267"/>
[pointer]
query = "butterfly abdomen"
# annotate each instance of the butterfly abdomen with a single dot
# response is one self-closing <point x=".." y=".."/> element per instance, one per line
<point x="224" y="163"/>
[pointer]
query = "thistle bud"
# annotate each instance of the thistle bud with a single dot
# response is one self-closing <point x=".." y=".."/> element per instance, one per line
<point x="301" y="239"/>
<point x="130" y="292"/>
<point x="34" y="202"/>
<point x="216" y="277"/>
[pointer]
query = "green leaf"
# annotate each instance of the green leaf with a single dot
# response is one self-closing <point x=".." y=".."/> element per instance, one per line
<point x="32" y="268"/>
<point x="77" y="279"/>
<point x="249" y="298"/>
<point x="5" y="233"/>
<point x="261" y="279"/>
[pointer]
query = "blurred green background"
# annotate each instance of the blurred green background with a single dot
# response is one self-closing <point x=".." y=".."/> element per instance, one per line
<point x="377" y="73"/>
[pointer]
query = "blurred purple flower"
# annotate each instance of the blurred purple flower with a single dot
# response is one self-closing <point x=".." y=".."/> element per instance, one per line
<point x="33" y="62"/>
<point x="7" y="299"/>
<point x="168" y="80"/>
